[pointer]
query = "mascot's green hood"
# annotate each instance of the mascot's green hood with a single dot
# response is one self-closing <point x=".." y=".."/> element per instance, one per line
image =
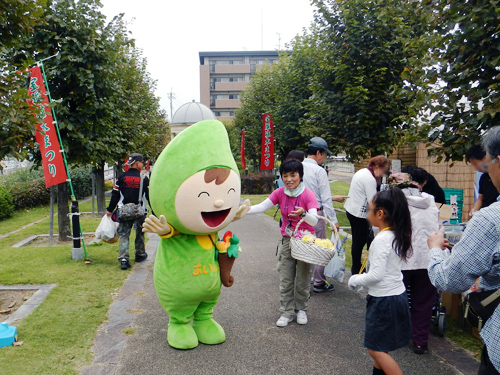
<point x="202" y="146"/>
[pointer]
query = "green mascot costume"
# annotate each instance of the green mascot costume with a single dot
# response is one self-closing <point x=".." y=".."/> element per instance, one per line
<point x="195" y="190"/>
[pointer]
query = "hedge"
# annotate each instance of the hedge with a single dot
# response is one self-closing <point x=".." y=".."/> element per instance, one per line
<point x="257" y="183"/>
<point x="30" y="194"/>
<point x="6" y="203"/>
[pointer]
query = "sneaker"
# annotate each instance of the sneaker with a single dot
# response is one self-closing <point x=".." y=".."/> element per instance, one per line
<point x="124" y="264"/>
<point x="420" y="349"/>
<point x="139" y="258"/>
<point x="325" y="287"/>
<point x="301" y="317"/>
<point x="283" y="321"/>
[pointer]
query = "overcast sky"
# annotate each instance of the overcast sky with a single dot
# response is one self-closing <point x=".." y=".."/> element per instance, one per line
<point x="172" y="33"/>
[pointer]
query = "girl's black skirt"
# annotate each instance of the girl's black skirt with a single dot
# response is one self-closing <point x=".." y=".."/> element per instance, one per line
<point x="387" y="323"/>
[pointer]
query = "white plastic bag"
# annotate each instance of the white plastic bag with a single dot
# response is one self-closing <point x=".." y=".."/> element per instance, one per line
<point x="335" y="269"/>
<point x="106" y="230"/>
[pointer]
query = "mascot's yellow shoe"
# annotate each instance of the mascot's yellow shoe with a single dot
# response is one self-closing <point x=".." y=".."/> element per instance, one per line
<point x="182" y="336"/>
<point x="209" y="332"/>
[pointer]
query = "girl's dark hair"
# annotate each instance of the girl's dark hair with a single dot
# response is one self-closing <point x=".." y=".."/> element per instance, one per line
<point x="292" y="165"/>
<point x="395" y="206"/>
<point x="295" y="154"/>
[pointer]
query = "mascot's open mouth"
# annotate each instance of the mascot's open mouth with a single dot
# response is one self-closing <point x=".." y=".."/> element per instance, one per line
<point x="215" y="218"/>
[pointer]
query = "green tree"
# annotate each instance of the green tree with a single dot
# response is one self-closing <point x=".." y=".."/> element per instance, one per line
<point x="459" y="95"/>
<point x="105" y="101"/>
<point x="17" y="18"/>
<point x="366" y="46"/>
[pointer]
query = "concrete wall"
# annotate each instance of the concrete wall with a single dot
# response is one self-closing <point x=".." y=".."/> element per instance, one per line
<point x="458" y="176"/>
<point x="205" y="85"/>
<point x="238" y="68"/>
<point x="227" y="103"/>
<point x="231" y="86"/>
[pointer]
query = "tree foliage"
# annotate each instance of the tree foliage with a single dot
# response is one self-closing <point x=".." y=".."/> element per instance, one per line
<point x="17" y="19"/>
<point x="103" y="95"/>
<point x="346" y="79"/>
<point x="460" y="92"/>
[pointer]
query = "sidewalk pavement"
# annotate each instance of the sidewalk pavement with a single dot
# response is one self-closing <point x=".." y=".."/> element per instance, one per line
<point x="331" y="343"/>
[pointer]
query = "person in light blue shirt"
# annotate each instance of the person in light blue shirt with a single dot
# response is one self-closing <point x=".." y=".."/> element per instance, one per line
<point x="316" y="180"/>
<point x="476" y="255"/>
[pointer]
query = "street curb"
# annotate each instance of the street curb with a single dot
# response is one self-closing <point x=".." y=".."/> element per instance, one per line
<point x="110" y="339"/>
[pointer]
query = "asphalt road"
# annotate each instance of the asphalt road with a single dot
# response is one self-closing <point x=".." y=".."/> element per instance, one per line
<point x="330" y="344"/>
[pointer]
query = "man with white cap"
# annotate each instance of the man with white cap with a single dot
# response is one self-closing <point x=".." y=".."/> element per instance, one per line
<point x="127" y="190"/>
<point x="316" y="180"/>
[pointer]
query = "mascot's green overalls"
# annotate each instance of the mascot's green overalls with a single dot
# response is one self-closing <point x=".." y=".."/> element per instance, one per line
<point x="195" y="184"/>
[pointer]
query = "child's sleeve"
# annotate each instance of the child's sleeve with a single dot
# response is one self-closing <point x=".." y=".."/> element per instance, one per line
<point x="379" y="252"/>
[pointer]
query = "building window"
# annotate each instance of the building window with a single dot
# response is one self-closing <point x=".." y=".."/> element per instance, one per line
<point x="231" y="113"/>
<point x="235" y="79"/>
<point x="234" y="96"/>
<point x="217" y="114"/>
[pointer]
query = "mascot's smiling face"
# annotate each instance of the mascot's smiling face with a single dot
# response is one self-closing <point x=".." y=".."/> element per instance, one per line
<point x="208" y="200"/>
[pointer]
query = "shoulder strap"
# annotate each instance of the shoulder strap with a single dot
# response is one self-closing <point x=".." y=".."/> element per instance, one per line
<point x="140" y="190"/>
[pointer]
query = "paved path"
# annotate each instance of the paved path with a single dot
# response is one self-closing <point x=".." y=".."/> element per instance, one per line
<point x="330" y="344"/>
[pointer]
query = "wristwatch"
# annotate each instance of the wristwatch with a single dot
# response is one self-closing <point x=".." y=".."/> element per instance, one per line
<point x="303" y="214"/>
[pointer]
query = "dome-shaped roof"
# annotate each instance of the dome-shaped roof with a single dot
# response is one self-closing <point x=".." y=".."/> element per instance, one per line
<point x="192" y="112"/>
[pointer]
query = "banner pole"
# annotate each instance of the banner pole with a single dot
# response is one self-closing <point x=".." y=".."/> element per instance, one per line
<point x="75" y="214"/>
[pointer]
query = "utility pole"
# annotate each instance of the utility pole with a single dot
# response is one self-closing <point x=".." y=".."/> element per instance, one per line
<point x="171" y="97"/>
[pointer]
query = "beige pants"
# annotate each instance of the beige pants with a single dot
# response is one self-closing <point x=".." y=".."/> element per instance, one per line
<point x="295" y="278"/>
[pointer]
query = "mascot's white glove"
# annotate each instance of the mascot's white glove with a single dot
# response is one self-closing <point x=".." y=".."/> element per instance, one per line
<point x="154" y="225"/>
<point x="353" y="285"/>
<point x="242" y="211"/>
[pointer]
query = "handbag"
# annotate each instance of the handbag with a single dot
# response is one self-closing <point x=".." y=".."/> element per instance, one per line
<point x="480" y="306"/>
<point x="132" y="211"/>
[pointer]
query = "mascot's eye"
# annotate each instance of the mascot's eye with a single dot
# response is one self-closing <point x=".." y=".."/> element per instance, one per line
<point x="232" y="190"/>
<point x="203" y="192"/>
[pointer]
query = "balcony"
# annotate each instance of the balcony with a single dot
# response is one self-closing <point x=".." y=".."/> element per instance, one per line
<point x="230" y="86"/>
<point x="227" y="103"/>
<point x="238" y="68"/>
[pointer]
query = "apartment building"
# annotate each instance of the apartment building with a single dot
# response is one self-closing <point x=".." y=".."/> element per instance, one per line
<point x="224" y="75"/>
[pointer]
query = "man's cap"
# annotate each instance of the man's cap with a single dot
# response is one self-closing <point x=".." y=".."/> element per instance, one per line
<point x="320" y="143"/>
<point x="133" y="158"/>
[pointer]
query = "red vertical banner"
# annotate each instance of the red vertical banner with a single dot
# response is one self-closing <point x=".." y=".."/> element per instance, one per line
<point x="242" y="151"/>
<point x="54" y="170"/>
<point x="267" y="151"/>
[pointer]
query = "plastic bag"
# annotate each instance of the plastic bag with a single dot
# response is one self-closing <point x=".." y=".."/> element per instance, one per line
<point x="335" y="269"/>
<point x="106" y="230"/>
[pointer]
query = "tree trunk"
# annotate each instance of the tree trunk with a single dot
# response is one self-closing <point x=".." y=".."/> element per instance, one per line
<point x="62" y="212"/>
<point x="99" y="183"/>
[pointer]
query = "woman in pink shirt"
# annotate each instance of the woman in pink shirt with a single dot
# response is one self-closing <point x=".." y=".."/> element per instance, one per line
<point x="296" y="202"/>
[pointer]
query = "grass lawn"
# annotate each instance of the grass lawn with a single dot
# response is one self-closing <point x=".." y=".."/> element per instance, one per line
<point x="58" y="335"/>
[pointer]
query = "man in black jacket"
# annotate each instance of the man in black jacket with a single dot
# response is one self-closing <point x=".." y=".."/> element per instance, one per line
<point x="126" y="191"/>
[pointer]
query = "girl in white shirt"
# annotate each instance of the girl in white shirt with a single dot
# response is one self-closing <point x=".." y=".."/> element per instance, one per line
<point x="387" y="321"/>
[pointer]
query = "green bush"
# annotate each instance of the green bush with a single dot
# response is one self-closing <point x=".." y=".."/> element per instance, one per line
<point x="108" y="185"/>
<point x="81" y="178"/>
<point x="6" y="203"/>
<point x="30" y="194"/>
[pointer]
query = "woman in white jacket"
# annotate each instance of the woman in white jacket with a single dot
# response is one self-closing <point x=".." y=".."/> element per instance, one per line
<point x="425" y="220"/>
<point x="364" y="185"/>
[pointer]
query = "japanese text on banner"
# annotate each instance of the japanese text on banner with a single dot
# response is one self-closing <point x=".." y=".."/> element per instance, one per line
<point x="267" y="152"/>
<point x="46" y="135"/>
